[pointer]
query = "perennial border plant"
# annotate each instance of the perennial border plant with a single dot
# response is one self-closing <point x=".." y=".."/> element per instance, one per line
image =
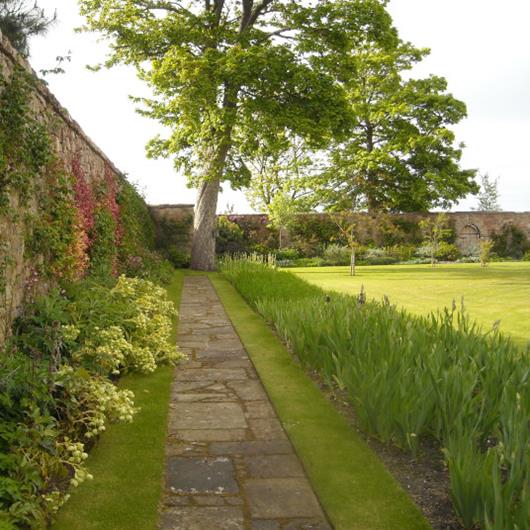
<point x="58" y="391"/>
<point x="411" y="378"/>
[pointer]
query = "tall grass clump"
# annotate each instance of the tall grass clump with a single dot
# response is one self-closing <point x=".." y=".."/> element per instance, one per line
<point x="413" y="378"/>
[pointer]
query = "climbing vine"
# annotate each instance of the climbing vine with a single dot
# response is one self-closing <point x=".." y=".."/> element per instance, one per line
<point x="24" y="142"/>
<point x="55" y="234"/>
<point x="66" y="221"/>
<point x="74" y="224"/>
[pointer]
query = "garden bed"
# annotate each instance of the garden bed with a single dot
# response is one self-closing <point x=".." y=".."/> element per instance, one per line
<point x="413" y="381"/>
<point x="425" y="479"/>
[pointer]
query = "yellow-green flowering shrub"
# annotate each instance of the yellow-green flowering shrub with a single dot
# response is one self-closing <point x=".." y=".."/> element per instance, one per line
<point x="58" y="391"/>
<point x="148" y="328"/>
<point x="92" y="400"/>
<point x="107" y="349"/>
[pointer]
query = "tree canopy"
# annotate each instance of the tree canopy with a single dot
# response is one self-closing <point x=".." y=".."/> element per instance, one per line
<point x="286" y="171"/>
<point x="400" y="154"/>
<point x="226" y="73"/>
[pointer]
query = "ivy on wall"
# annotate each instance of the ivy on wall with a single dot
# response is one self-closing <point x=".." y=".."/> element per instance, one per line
<point x="24" y="142"/>
<point x="74" y="224"/>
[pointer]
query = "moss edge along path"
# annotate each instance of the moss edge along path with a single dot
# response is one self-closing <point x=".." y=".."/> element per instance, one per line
<point x="127" y="463"/>
<point x="354" y="487"/>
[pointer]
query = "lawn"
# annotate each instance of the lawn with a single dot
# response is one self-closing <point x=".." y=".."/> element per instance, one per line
<point x="499" y="292"/>
<point x="127" y="463"/>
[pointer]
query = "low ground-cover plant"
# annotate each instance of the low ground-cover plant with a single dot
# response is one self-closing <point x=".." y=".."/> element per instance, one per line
<point x="58" y="391"/>
<point x="411" y="378"/>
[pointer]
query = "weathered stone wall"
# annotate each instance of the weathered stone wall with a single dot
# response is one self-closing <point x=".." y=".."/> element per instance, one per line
<point x="479" y="225"/>
<point x="172" y="212"/>
<point x="470" y="227"/>
<point x="177" y="219"/>
<point x="71" y="146"/>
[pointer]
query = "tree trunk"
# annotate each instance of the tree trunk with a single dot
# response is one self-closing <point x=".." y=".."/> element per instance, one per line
<point x="205" y="223"/>
<point x="205" y="227"/>
<point x="352" y="263"/>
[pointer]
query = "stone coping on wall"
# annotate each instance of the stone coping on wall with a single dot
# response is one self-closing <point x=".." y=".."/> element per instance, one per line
<point x="176" y="206"/>
<point x="40" y="86"/>
<point x="464" y="212"/>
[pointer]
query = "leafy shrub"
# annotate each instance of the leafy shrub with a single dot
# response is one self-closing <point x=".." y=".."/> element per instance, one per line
<point x="411" y="378"/>
<point x="314" y="231"/>
<point x="56" y="391"/>
<point x="447" y="252"/>
<point x="179" y="259"/>
<point x="230" y="237"/>
<point x="173" y="234"/>
<point x="377" y="256"/>
<point x="301" y="262"/>
<point x="510" y="242"/>
<point x="469" y="259"/>
<point x="262" y="248"/>
<point x="401" y="252"/>
<point x="138" y="254"/>
<point x="337" y="255"/>
<point x="375" y="253"/>
<point x="378" y="260"/>
<point x="287" y="254"/>
<point x="526" y="256"/>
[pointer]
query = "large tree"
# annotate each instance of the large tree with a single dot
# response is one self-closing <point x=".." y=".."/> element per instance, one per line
<point x="22" y="19"/>
<point x="282" y="169"/>
<point x="224" y="71"/>
<point x="401" y="153"/>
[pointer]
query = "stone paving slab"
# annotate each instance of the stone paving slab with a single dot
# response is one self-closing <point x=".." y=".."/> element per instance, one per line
<point x="229" y="463"/>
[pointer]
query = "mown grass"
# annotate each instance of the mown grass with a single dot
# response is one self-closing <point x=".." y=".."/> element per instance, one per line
<point x="500" y="291"/>
<point x="411" y="378"/>
<point x="355" y="489"/>
<point x="128" y="461"/>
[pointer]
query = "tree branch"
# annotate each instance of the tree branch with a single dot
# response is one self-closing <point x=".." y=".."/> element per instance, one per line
<point x="218" y="6"/>
<point x="257" y="11"/>
<point x="246" y="14"/>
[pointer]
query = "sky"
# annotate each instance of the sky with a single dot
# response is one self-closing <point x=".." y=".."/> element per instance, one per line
<point x="482" y="47"/>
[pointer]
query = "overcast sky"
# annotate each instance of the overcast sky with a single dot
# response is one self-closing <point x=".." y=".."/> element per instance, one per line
<point x="481" y="46"/>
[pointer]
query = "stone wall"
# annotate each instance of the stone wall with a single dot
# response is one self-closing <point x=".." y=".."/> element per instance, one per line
<point x="473" y="226"/>
<point x="174" y="225"/>
<point x="71" y="146"/>
<point x="470" y="227"/>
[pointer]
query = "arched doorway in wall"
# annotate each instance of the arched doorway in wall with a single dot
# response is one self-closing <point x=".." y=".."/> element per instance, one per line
<point x="469" y="240"/>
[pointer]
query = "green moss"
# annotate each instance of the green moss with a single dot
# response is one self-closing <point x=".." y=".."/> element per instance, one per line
<point x="355" y="489"/>
<point x="128" y="461"/>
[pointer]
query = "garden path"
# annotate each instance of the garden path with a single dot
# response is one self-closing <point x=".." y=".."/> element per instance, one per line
<point x="229" y="463"/>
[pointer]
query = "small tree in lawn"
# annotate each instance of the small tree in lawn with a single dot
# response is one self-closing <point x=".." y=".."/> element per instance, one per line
<point x="486" y="246"/>
<point x="348" y="224"/>
<point x="281" y="211"/>
<point x="435" y="230"/>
